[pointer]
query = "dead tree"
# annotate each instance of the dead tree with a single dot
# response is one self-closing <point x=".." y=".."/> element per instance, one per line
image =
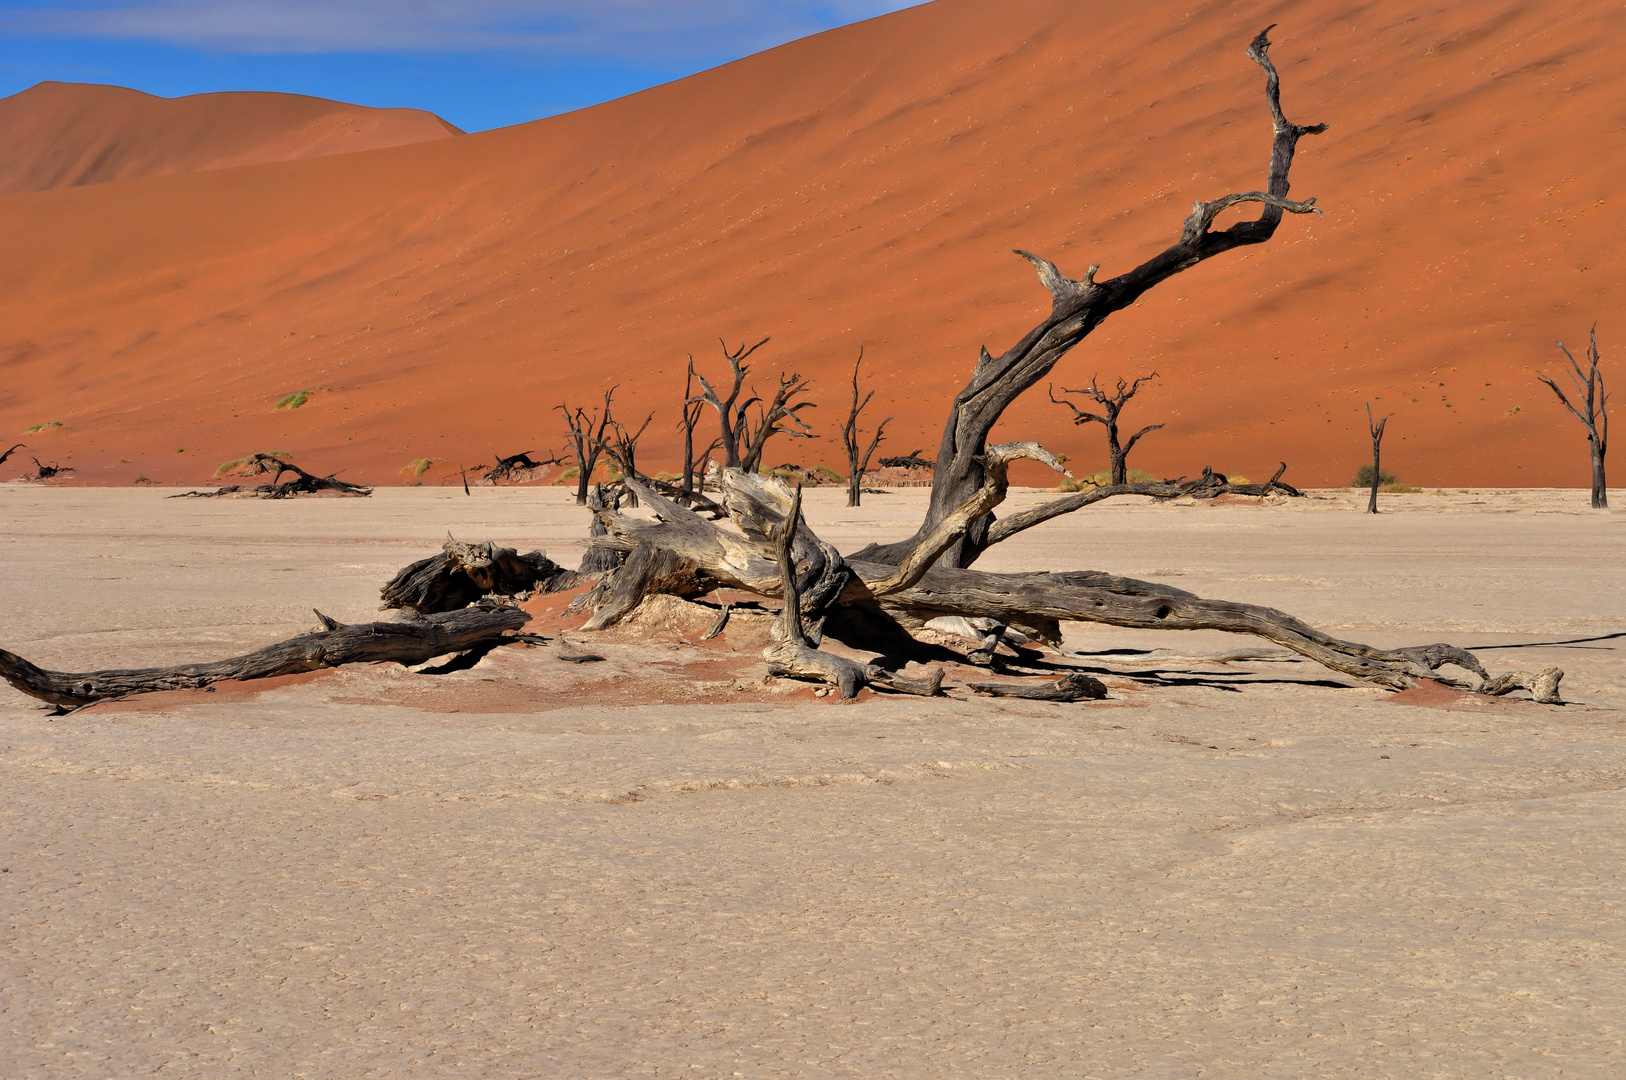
<point x="506" y="467"/>
<point x="1589" y="392"/>
<point x="1376" y="428"/>
<point x="13" y="450"/>
<point x="858" y="465"/>
<point x="622" y="446"/>
<point x="730" y="410"/>
<point x="298" y="482"/>
<point x="413" y="641"/>
<point x="878" y="594"/>
<point x="743" y="442"/>
<point x="45" y="472"/>
<point x="1111" y="406"/>
<point x="1078" y="307"/>
<point x="693" y="467"/>
<point x="585" y="439"/>
<point x="912" y="460"/>
<point x="464" y="573"/>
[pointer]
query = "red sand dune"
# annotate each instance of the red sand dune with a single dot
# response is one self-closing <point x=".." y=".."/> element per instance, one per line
<point x="866" y="186"/>
<point x="68" y="134"/>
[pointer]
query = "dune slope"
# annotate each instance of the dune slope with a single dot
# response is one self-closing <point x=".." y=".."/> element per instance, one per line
<point x="69" y="134"/>
<point x="865" y="187"/>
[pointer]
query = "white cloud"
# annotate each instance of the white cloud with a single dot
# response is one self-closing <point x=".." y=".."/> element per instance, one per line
<point x="623" y="29"/>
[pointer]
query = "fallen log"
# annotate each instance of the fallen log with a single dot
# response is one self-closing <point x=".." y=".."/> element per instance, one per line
<point x="412" y="641"/>
<point x="301" y="483"/>
<point x="1075" y="687"/>
<point x="463" y="573"/>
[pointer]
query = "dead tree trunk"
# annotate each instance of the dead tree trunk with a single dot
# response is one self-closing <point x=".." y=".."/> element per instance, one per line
<point x="1376" y="428"/>
<point x="1111" y="406"/>
<point x="693" y="467"/>
<point x="1078" y="307"/>
<point x="463" y="573"/>
<point x="730" y="410"/>
<point x="413" y="641"/>
<point x="772" y="420"/>
<point x="585" y="439"/>
<point x="857" y="465"/>
<point x="1595" y="418"/>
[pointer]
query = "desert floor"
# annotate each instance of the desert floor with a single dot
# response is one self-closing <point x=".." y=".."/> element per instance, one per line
<point x="662" y="866"/>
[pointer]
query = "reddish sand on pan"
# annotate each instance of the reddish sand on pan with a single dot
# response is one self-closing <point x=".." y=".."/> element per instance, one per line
<point x="67" y="134"/>
<point x="865" y="187"/>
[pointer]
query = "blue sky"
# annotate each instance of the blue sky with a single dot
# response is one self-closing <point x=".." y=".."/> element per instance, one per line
<point x="478" y="63"/>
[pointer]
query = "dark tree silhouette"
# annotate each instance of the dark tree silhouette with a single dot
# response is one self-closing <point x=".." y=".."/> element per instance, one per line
<point x="1590" y="393"/>
<point x="585" y="439"/>
<point x="693" y="466"/>
<point x="742" y="442"/>
<point x="857" y="465"/>
<point x="1376" y="427"/>
<point x="1111" y="406"/>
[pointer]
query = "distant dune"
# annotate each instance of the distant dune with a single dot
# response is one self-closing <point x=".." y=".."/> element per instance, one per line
<point x="68" y="134"/>
<point x="865" y="187"/>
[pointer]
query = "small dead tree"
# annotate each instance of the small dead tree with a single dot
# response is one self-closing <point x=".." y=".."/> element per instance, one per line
<point x="13" y="450"/>
<point x="730" y="410"/>
<point x="585" y="439"/>
<point x="693" y="466"/>
<point x="856" y="465"/>
<point x="622" y="446"/>
<point x="1590" y="393"/>
<point x="506" y="467"/>
<point x="775" y="418"/>
<point x="1111" y="406"/>
<point x="43" y="471"/>
<point x="1376" y="428"/>
<point x="741" y="441"/>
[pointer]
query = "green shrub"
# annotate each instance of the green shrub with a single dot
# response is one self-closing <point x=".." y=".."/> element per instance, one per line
<point x="419" y="466"/>
<point x="1363" y="478"/>
<point x="48" y="425"/>
<point x="299" y="397"/>
<point x="827" y="474"/>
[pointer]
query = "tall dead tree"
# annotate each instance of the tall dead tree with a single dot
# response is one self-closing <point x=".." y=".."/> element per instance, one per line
<point x="743" y="442"/>
<point x="1376" y="428"/>
<point x="730" y="410"/>
<point x="857" y="465"/>
<point x="585" y="439"/>
<point x="1590" y="393"/>
<point x="1078" y="307"/>
<point x="778" y="417"/>
<point x="1111" y="406"/>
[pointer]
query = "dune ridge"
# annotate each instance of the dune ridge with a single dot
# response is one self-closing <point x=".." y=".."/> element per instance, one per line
<point x="865" y="186"/>
<point x="71" y="134"/>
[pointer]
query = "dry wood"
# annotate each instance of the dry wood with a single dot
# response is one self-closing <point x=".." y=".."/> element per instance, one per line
<point x="1111" y="406"/>
<point x="1589" y="393"/>
<point x="794" y="654"/>
<point x="299" y="482"/>
<point x="585" y="440"/>
<point x="463" y="573"/>
<point x="506" y="467"/>
<point x="1077" y="308"/>
<point x="13" y="450"/>
<point x="1376" y="427"/>
<point x="412" y="641"/>
<point x="858" y="464"/>
<point x="1075" y="687"/>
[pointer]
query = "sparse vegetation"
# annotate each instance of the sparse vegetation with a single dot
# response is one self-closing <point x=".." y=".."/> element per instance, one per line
<point x="419" y="466"/>
<point x="1388" y="483"/>
<point x="237" y="463"/>
<point x="47" y="426"/>
<point x="144" y="479"/>
<point x="299" y="397"/>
